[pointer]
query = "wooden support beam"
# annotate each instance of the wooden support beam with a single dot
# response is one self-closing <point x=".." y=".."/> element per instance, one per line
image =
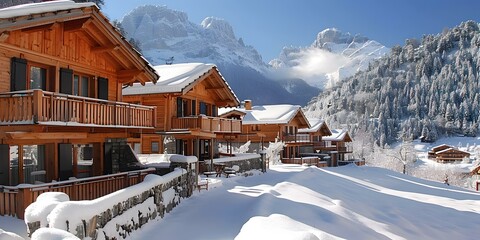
<point x="38" y="28"/>
<point x="50" y="136"/>
<point x="214" y="88"/>
<point x="101" y="49"/>
<point x="77" y="25"/>
<point x="129" y="73"/>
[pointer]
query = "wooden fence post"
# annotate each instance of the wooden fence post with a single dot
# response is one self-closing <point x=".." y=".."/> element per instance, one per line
<point x="23" y="201"/>
<point x="37" y="105"/>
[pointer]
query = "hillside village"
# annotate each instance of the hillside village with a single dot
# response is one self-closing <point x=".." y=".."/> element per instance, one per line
<point x="96" y="117"/>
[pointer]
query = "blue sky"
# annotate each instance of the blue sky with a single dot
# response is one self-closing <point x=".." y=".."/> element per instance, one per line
<point x="269" y="25"/>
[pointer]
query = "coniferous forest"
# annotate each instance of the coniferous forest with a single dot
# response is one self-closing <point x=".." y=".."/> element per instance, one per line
<point x="427" y="88"/>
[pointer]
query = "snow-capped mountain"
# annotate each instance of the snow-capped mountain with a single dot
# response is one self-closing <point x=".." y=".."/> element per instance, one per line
<point x="164" y="33"/>
<point x="332" y="57"/>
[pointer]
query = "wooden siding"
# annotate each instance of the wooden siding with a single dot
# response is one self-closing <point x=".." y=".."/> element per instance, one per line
<point x="71" y="46"/>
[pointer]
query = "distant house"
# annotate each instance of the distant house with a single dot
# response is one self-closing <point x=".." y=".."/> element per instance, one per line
<point x="336" y="145"/>
<point x="445" y="153"/>
<point x="268" y="123"/>
<point x="475" y="175"/>
<point x="187" y="98"/>
<point x="315" y="133"/>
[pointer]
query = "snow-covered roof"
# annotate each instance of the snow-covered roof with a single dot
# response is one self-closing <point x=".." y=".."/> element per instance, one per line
<point x="337" y="135"/>
<point x="176" y="78"/>
<point x="315" y="125"/>
<point x="451" y="149"/>
<point x="38" y="14"/>
<point x="268" y="114"/>
<point x="35" y="8"/>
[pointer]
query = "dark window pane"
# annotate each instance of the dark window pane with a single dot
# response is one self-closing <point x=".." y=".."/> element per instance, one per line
<point x="75" y="84"/>
<point x="18" y="76"/>
<point x="84" y="86"/>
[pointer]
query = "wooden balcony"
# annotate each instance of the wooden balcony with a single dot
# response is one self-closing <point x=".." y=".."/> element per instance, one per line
<point x="207" y="124"/>
<point x="296" y="138"/>
<point x="333" y="148"/>
<point x="14" y="200"/>
<point x="41" y="107"/>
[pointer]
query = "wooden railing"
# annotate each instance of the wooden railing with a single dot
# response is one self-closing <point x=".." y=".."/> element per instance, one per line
<point x="14" y="200"/>
<point x="207" y="124"/>
<point x="37" y="106"/>
<point x="334" y="148"/>
<point x="298" y="138"/>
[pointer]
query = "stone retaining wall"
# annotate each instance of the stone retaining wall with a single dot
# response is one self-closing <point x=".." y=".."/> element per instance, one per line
<point x="128" y="214"/>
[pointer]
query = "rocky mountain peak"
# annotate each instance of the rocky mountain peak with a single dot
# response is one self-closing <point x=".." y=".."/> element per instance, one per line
<point x="335" y="36"/>
<point x="219" y="27"/>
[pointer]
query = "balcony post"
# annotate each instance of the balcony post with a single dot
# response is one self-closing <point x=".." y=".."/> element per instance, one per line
<point x="154" y="118"/>
<point x="24" y="199"/>
<point x="83" y="118"/>
<point x="199" y="122"/>
<point x="37" y="105"/>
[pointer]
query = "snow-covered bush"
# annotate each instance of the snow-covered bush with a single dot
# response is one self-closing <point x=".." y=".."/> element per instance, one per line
<point x="273" y="152"/>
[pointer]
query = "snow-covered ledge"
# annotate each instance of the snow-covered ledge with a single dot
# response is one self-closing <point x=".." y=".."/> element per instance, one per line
<point x="246" y="161"/>
<point x="116" y="215"/>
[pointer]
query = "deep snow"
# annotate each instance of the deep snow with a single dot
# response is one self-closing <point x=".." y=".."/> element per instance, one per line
<point x="299" y="202"/>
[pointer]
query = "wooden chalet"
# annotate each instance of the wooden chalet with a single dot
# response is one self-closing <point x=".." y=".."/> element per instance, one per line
<point x="187" y="98"/>
<point x="336" y="145"/>
<point x="266" y="123"/>
<point x="475" y="175"/>
<point x="63" y="66"/>
<point x="315" y="133"/>
<point x="432" y="154"/>
<point x="445" y="153"/>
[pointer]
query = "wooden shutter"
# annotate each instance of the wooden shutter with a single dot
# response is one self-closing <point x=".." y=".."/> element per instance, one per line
<point x="107" y="158"/>
<point x="84" y="84"/>
<point x="66" y="81"/>
<point x="65" y="161"/>
<point x="4" y="164"/>
<point x="194" y="107"/>
<point x="18" y="74"/>
<point x="179" y="107"/>
<point x="102" y="88"/>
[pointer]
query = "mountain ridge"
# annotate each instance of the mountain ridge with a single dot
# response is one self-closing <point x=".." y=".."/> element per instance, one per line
<point x="424" y="89"/>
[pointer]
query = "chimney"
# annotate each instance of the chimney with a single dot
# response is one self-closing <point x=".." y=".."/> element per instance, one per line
<point x="248" y="104"/>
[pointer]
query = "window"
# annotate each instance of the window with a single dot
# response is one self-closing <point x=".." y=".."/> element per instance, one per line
<point x="33" y="164"/>
<point x="81" y="85"/>
<point x="38" y="78"/>
<point x="180" y="112"/>
<point x="75" y="84"/>
<point x="290" y="130"/>
<point x="214" y="111"/>
<point x="25" y="75"/>
<point x="203" y="108"/>
<point x="155" y="147"/>
<point x="84" y="87"/>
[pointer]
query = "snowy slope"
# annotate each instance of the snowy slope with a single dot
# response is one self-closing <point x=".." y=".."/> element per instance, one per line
<point x="297" y="202"/>
<point x="332" y="57"/>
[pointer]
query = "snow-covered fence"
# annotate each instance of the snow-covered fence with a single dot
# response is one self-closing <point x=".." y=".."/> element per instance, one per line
<point x="116" y="215"/>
